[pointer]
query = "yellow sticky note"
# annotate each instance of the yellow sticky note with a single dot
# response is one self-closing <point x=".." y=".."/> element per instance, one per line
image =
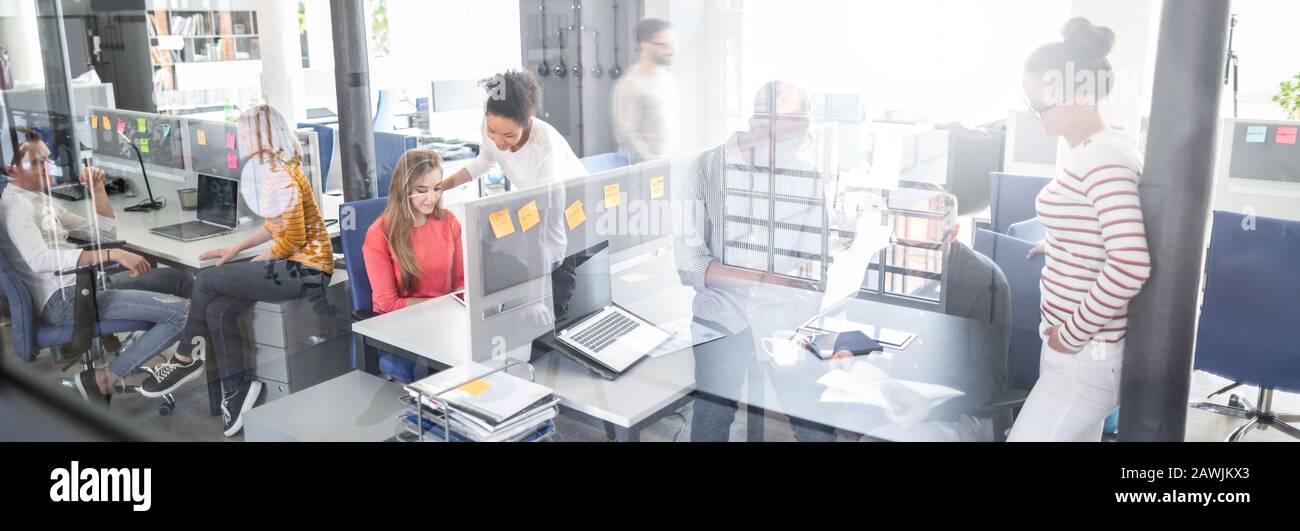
<point x="656" y="187"/>
<point x="141" y="125"/>
<point x="612" y="199"/>
<point x="94" y="122"/>
<point x="528" y="216"/>
<point x="108" y="124"/>
<point x="203" y="137"/>
<point x="502" y="225"/>
<point x="144" y="145"/>
<point x="575" y="215"/>
<point x="475" y="387"/>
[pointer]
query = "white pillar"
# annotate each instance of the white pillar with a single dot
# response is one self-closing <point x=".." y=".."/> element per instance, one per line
<point x="282" y="77"/>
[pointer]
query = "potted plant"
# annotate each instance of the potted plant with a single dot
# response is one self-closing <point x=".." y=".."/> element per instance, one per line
<point x="1288" y="97"/>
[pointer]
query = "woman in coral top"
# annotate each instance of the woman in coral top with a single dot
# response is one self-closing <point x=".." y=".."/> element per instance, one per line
<point x="413" y="251"/>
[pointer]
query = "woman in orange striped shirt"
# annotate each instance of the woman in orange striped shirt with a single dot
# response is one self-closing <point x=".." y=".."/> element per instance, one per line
<point x="298" y="263"/>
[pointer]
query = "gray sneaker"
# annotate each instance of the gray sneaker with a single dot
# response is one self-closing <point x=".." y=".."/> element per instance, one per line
<point x="89" y="389"/>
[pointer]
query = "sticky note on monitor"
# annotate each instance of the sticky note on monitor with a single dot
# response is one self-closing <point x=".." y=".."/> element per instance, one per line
<point x="502" y="225"/>
<point x="144" y="145"/>
<point x="121" y="126"/>
<point x="232" y="161"/>
<point x="141" y="125"/>
<point x="230" y="141"/>
<point x="528" y="216"/>
<point x="1286" y="135"/>
<point x="656" y="187"/>
<point x="612" y="199"/>
<point x="1256" y="134"/>
<point x="202" y="137"/>
<point x="108" y="123"/>
<point x="575" y="215"/>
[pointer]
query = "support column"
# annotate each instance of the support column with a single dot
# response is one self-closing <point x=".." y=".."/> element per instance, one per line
<point x="1176" y="190"/>
<point x="352" y="82"/>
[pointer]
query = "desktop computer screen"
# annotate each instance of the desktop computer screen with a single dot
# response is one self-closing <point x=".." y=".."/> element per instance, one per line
<point x="159" y="138"/>
<point x="1265" y="152"/>
<point x="1029" y="149"/>
<point x="214" y="148"/>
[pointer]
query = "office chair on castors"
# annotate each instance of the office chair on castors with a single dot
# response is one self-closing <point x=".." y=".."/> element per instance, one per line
<point x="1250" y="306"/>
<point x="80" y="342"/>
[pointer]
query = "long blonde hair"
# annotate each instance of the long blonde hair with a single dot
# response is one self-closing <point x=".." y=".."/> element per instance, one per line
<point x="399" y="217"/>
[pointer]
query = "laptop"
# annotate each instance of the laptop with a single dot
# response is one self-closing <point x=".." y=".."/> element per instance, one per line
<point x="218" y="212"/>
<point x="589" y="326"/>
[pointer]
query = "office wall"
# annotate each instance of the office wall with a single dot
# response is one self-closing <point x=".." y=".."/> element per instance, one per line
<point x="1266" y="43"/>
<point x="1136" y="24"/>
<point x="18" y="34"/>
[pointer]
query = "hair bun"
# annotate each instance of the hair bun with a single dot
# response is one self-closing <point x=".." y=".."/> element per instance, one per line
<point x="1088" y="39"/>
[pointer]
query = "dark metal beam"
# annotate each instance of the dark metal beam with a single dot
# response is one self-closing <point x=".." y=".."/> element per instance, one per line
<point x="352" y="83"/>
<point x="1176" y="191"/>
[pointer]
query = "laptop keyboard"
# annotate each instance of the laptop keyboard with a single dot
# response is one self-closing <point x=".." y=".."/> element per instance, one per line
<point x="606" y="331"/>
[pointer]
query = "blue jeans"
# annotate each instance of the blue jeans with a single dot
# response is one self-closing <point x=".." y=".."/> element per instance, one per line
<point x="157" y="297"/>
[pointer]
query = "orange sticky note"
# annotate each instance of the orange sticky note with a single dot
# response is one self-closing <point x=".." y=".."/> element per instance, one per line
<point x="94" y="122"/>
<point x="475" y="387"/>
<point x="656" y="187"/>
<point x="575" y="215"/>
<point x="528" y="216"/>
<point x="502" y="225"/>
<point x="108" y="124"/>
<point x="203" y="137"/>
<point x="612" y="199"/>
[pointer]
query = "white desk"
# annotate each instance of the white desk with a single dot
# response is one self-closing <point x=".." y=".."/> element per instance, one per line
<point x="438" y="331"/>
<point x="134" y="228"/>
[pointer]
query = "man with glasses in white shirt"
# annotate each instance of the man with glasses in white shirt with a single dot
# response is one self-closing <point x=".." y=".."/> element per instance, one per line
<point x="645" y="102"/>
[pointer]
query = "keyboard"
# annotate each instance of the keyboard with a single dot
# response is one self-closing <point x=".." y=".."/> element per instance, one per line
<point x="72" y="192"/>
<point x="606" y="331"/>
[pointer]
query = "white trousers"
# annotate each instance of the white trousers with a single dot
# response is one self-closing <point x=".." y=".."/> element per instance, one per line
<point x="1073" y="396"/>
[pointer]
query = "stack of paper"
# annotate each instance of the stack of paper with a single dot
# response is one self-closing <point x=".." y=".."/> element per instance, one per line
<point x="485" y="406"/>
<point x="869" y="385"/>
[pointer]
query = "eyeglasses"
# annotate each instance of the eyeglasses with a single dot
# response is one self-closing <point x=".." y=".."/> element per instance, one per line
<point x="1038" y="110"/>
<point x="29" y="165"/>
<point x="668" y="44"/>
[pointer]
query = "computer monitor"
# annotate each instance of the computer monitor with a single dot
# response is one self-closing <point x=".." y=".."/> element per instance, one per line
<point x="582" y="285"/>
<point x="214" y="148"/>
<point x="219" y="200"/>
<point x="1258" y="168"/>
<point x="1029" y="149"/>
<point x="160" y="139"/>
<point x="459" y="95"/>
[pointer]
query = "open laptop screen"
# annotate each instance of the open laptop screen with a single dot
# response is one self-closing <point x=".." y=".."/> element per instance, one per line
<point x="581" y="285"/>
<point x="218" y="200"/>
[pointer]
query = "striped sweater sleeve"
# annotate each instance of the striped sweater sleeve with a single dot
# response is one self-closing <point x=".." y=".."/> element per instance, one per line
<point x="1112" y="190"/>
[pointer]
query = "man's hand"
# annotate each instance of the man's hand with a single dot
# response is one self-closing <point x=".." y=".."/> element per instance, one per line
<point x="92" y="177"/>
<point x="133" y="262"/>
<point x="1037" y="250"/>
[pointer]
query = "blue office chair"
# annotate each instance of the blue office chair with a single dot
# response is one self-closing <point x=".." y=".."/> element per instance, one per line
<point x="385" y="119"/>
<point x="1250" y="306"/>
<point x="1023" y="277"/>
<point x="31" y="335"/>
<point x="389" y="148"/>
<point x="364" y="214"/>
<point x="325" y="134"/>
<point x="1030" y="230"/>
<point x="607" y="161"/>
<point x="1012" y="199"/>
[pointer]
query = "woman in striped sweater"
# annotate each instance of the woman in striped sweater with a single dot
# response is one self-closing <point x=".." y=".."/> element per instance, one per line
<point x="1095" y="245"/>
<point x="298" y="263"/>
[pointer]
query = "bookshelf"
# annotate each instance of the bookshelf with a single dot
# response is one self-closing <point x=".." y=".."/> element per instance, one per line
<point x="203" y="57"/>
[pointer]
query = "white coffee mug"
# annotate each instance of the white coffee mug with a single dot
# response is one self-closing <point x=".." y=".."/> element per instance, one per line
<point x="786" y="347"/>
